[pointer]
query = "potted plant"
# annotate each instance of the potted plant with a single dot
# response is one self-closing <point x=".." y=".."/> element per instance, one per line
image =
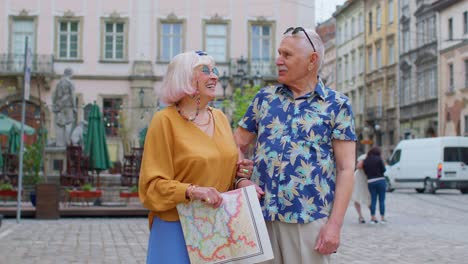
<point x="7" y="191"/>
<point x="132" y="192"/>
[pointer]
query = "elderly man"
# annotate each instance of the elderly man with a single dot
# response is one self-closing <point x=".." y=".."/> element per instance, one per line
<point x="304" y="154"/>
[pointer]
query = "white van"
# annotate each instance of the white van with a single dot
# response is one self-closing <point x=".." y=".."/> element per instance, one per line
<point x="429" y="164"/>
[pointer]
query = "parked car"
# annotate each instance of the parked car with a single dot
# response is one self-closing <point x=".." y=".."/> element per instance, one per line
<point x="429" y="164"/>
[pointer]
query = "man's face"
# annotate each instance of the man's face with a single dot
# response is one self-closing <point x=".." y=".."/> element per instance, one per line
<point x="293" y="61"/>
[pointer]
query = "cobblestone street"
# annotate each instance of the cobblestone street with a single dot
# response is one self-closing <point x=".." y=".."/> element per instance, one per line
<point x="421" y="228"/>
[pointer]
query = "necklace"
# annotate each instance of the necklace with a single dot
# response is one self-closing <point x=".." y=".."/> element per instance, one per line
<point x="209" y="119"/>
<point x="196" y="113"/>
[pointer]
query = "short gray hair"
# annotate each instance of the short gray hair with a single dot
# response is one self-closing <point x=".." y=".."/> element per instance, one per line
<point x="316" y="40"/>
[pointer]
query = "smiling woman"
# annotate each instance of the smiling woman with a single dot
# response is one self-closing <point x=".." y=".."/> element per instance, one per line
<point x="190" y="154"/>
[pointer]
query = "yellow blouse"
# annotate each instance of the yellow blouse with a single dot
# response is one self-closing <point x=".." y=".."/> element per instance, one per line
<point x="176" y="154"/>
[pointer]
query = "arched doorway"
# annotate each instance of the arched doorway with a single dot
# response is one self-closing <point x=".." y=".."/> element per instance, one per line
<point x="32" y="118"/>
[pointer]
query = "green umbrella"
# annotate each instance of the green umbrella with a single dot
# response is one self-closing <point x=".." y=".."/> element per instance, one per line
<point x="14" y="140"/>
<point x="7" y="123"/>
<point x="96" y="146"/>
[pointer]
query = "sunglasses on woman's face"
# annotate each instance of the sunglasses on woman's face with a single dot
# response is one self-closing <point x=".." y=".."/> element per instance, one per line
<point x="294" y="30"/>
<point x="206" y="70"/>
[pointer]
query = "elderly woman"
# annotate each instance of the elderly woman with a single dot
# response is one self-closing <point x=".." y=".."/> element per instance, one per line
<point x="190" y="154"/>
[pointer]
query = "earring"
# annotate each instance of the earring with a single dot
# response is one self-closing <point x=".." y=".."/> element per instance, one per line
<point x="309" y="68"/>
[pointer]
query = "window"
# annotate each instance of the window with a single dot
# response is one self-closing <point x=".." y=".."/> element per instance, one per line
<point x="379" y="56"/>
<point x="433" y="82"/>
<point x="432" y="29"/>
<point x="378" y="22"/>
<point x="391" y="53"/>
<point x="22" y="28"/>
<point x="68" y="46"/>
<point x="346" y="33"/>
<point x="339" y="72"/>
<point x="216" y="41"/>
<point x="353" y="32"/>
<point x="115" y="39"/>
<point x="370" y="61"/>
<point x="361" y="101"/>
<point x="171" y="40"/>
<point x="456" y="154"/>
<point x="361" y="23"/>
<point x="261" y="47"/>
<point x="338" y="36"/>
<point x="379" y="103"/>
<point x="420" y="33"/>
<point x="110" y="110"/>
<point x="420" y="77"/>
<point x="353" y="68"/>
<point x="466" y="73"/>
<point x="450" y="28"/>
<point x="451" y="80"/>
<point x="406" y="39"/>
<point x="390" y="11"/>
<point x="370" y="23"/>
<point x="465" y="22"/>
<point x="395" y="157"/>
<point x="405" y="8"/>
<point x="361" y="60"/>
<point x="391" y="93"/>
<point x="346" y="72"/>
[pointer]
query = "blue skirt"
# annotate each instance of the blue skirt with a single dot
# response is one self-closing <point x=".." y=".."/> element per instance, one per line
<point x="166" y="243"/>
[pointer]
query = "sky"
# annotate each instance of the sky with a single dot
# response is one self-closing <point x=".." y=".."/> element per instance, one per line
<point x="325" y="8"/>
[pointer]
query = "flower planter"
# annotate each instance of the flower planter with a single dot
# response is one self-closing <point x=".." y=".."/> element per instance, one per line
<point x="128" y="195"/>
<point x="6" y="194"/>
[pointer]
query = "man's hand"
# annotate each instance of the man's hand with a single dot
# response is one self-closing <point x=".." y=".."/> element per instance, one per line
<point x="328" y="239"/>
<point x="246" y="183"/>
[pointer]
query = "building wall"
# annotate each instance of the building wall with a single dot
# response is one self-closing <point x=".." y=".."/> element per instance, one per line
<point x="141" y="69"/>
<point x="349" y="64"/>
<point x="453" y="100"/>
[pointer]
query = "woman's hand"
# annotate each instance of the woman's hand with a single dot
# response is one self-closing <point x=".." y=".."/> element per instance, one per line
<point x="244" y="168"/>
<point x="208" y="195"/>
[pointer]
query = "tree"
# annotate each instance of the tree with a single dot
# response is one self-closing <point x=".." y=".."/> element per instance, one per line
<point x="239" y="102"/>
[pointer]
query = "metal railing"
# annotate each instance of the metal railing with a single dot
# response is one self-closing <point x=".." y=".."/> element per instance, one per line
<point x="14" y="63"/>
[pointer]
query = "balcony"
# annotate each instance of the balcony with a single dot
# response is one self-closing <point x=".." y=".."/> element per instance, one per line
<point x="373" y="113"/>
<point x="13" y="64"/>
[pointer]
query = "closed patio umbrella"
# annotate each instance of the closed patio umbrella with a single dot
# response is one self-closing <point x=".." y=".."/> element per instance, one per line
<point x="96" y="146"/>
<point x="14" y="140"/>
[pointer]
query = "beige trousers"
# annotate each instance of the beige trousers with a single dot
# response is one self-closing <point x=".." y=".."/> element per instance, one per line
<point x="295" y="243"/>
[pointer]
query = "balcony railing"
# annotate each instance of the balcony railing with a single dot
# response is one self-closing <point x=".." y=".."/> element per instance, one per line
<point x="14" y="63"/>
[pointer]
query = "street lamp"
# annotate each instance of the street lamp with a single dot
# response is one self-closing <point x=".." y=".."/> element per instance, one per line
<point x="242" y="66"/>
<point x="257" y="79"/>
<point x="224" y="79"/>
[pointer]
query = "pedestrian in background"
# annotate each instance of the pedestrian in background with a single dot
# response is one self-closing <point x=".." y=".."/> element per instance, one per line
<point x="374" y="168"/>
<point x="189" y="154"/>
<point x="361" y="196"/>
<point x="304" y="153"/>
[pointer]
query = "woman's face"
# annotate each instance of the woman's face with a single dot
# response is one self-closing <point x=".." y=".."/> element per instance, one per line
<point x="206" y="78"/>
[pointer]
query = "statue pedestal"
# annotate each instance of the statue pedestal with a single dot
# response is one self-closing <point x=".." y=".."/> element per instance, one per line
<point x="55" y="160"/>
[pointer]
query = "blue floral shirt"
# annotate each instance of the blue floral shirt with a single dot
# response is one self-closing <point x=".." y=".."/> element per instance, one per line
<point x="294" y="160"/>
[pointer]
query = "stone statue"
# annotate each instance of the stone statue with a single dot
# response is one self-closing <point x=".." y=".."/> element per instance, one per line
<point x="77" y="135"/>
<point x="64" y="107"/>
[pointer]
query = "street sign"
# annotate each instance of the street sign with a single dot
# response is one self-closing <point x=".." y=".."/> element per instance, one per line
<point x="366" y="142"/>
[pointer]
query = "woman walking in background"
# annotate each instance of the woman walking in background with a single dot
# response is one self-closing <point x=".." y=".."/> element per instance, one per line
<point x="361" y="196"/>
<point x="374" y="168"/>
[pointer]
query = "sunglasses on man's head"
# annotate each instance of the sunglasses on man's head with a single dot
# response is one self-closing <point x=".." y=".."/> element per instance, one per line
<point x="294" y="30"/>
<point x="201" y="53"/>
<point x="206" y="70"/>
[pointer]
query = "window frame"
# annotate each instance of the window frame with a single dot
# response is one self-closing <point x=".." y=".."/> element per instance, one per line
<point x="12" y="20"/>
<point x="115" y="112"/>
<point x="272" y="25"/>
<point x="170" y="20"/>
<point x="390" y="11"/>
<point x="227" y="24"/>
<point x="79" y="50"/>
<point x="114" y="20"/>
